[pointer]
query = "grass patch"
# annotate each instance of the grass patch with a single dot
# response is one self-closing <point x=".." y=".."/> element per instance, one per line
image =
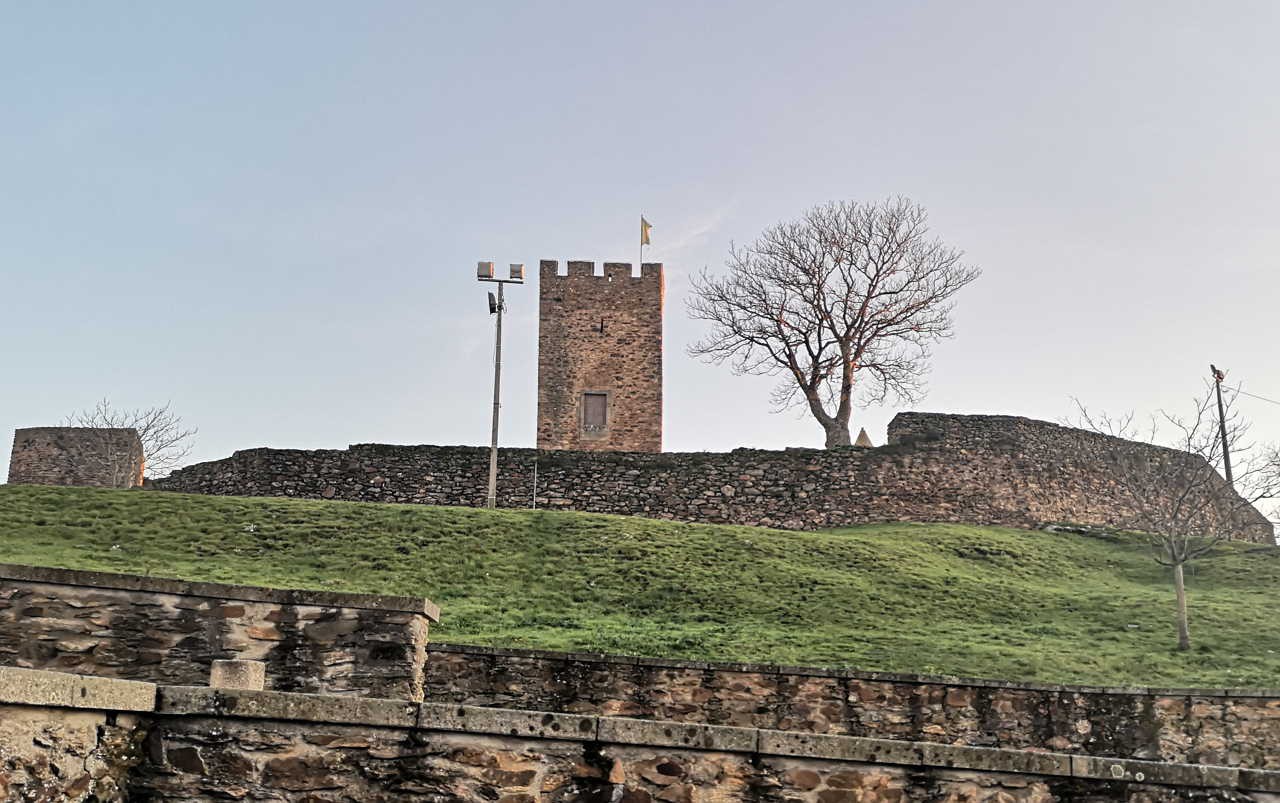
<point x="928" y="598"/>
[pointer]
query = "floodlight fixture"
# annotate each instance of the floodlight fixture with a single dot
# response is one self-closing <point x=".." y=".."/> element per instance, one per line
<point x="485" y="273"/>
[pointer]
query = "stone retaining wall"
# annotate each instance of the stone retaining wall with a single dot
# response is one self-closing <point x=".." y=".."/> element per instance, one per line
<point x="957" y="468"/>
<point x="1209" y="726"/>
<point x="200" y="744"/>
<point x="169" y="631"/>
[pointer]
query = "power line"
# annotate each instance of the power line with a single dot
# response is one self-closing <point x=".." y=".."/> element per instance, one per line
<point x="1256" y="396"/>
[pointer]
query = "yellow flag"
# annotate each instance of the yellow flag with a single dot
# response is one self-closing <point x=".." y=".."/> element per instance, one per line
<point x="644" y="230"/>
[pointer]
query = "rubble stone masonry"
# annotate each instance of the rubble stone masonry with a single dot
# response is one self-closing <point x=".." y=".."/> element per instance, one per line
<point x="974" y="469"/>
<point x="200" y="744"/>
<point x="1239" y="727"/>
<point x="169" y="631"/>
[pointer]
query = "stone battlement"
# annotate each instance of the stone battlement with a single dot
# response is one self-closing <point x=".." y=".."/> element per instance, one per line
<point x="578" y="270"/>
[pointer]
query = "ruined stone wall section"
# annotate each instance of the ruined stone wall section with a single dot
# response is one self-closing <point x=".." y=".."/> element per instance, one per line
<point x="600" y="334"/>
<point x="88" y="456"/>
<point x="168" y="631"/>
<point x="969" y="469"/>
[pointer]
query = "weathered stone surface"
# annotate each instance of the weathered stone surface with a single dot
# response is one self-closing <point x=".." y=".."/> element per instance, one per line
<point x="33" y="687"/>
<point x="59" y="754"/>
<point x="169" y="631"/>
<point x="506" y="722"/>
<point x="208" y="744"/>
<point x="89" y="456"/>
<point x="287" y="706"/>
<point x="603" y="335"/>
<point x="683" y="735"/>
<point x="234" y="674"/>
<point x="1209" y="727"/>
<point x="960" y="468"/>
<point x="215" y="759"/>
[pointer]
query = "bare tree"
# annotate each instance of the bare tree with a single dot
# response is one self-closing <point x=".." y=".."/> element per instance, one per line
<point x="849" y="297"/>
<point x="165" y="441"/>
<point x="1179" y="500"/>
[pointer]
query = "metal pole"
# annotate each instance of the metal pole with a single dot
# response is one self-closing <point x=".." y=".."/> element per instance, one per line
<point x="497" y="385"/>
<point x="1222" y="426"/>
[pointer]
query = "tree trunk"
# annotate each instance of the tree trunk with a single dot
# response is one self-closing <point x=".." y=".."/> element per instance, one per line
<point x="1180" y="589"/>
<point x="837" y="434"/>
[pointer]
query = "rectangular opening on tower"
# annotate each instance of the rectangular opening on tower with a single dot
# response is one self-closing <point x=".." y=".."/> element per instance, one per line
<point x="595" y="411"/>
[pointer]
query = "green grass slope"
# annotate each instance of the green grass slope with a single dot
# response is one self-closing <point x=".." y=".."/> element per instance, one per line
<point x="951" y="599"/>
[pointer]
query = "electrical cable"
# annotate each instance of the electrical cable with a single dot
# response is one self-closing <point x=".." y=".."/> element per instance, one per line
<point x="1256" y="396"/>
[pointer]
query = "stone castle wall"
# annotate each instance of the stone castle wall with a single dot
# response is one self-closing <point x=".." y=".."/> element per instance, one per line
<point x="200" y="744"/>
<point x="1199" y="726"/>
<point x="169" y="631"/>
<point x="936" y="468"/>
<point x="600" y="334"/>
<point x="98" y="457"/>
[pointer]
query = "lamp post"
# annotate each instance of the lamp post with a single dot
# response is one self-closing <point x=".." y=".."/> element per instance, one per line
<point x="484" y="273"/>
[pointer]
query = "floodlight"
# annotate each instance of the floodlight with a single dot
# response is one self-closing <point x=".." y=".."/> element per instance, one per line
<point x="484" y="271"/>
<point x="517" y="271"/>
<point x="493" y="303"/>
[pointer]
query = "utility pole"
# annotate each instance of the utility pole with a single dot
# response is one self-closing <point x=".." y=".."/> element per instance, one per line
<point x="497" y="305"/>
<point x="1218" y="376"/>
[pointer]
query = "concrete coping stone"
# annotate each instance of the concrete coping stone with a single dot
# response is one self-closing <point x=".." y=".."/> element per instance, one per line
<point x="200" y="701"/>
<point x="846" y="674"/>
<point x="507" y="722"/>
<point x="65" y="690"/>
<point x="158" y="585"/>
<point x="686" y="735"/>
<point x="289" y="706"/>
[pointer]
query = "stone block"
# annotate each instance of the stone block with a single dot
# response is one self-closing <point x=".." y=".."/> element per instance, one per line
<point x="60" y="689"/>
<point x="619" y="730"/>
<point x="288" y="706"/>
<point x="506" y="722"/>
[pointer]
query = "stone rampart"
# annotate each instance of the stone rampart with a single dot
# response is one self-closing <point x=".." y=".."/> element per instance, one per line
<point x="200" y="744"/>
<point x="935" y="468"/>
<point x="170" y="631"/>
<point x="1210" y="726"/>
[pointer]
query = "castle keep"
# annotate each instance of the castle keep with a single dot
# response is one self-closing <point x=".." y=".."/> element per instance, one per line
<point x="600" y="357"/>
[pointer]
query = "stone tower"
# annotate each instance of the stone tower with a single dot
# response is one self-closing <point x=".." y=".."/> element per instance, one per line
<point x="600" y="357"/>
<point x="92" y="456"/>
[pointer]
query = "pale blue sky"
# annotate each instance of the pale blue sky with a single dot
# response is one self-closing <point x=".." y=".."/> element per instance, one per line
<point x="269" y="213"/>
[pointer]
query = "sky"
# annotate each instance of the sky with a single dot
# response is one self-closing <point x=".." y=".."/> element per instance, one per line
<point x="269" y="215"/>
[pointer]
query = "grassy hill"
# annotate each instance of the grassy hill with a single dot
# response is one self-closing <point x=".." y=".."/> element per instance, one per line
<point x="950" y="599"/>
